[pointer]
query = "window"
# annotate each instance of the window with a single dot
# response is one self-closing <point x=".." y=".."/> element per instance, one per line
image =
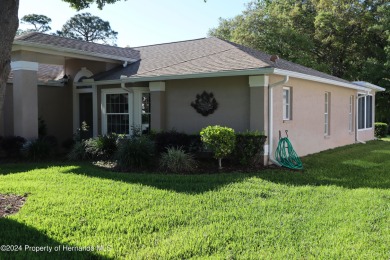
<point x="117" y="113"/>
<point x="326" y="114"/>
<point x="365" y="111"/>
<point x="350" y="114"/>
<point x="145" y="112"/>
<point x="286" y="103"/>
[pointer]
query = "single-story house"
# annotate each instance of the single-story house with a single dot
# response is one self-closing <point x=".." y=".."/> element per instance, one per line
<point x="184" y="86"/>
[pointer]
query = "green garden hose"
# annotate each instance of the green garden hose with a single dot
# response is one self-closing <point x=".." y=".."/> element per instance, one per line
<point x="286" y="156"/>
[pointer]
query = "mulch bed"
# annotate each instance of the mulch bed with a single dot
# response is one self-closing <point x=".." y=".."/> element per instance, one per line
<point x="10" y="204"/>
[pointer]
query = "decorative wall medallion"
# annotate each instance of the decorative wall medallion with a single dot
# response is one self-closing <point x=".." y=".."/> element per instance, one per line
<point x="205" y="103"/>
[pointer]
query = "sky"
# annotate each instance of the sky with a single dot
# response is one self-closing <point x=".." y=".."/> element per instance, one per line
<point x="145" y="22"/>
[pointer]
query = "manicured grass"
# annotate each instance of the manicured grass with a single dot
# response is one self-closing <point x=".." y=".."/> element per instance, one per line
<point x="337" y="208"/>
<point x="387" y="138"/>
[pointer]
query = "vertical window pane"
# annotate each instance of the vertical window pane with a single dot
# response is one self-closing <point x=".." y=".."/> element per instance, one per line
<point x="368" y="111"/>
<point x="145" y="113"/>
<point x="361" y="111"/>
<point x="146" y="103"/>
<point x="326" y="113"/>
<point x="286" y="104"/>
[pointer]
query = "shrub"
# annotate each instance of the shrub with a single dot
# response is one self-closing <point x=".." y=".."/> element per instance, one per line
<point x="12" y="145"/>
<point x="169" y="139"/>
<point x="135" y="153"/>
<point x="177" y="160"/>
<point x="381" y="130"/>
<point x="39" y="149"/>
<point x="78" y="152"/>
<point x="249" y="147"/>
<point x="220" y="139"/>
<point x="101" y="147"/>
<point x="42" y="127"/>
<point x="82" y="133"/>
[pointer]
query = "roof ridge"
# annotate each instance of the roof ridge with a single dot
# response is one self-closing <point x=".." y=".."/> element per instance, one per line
<point x="166" y="43"/>
<point x="182" y="62"/>
<point x="275" y="64"/>
<point x="25" y="35"/>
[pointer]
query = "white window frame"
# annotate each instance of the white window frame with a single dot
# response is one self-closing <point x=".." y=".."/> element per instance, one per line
<point x="327" y="114"/>
<point x="350" y="113"/>
<point x="287" y="103"/>
<point x="130" y="101"/>
<point x="364" y="96"/>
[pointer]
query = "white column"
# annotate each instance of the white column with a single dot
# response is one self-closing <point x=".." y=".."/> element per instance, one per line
<point x="25" y="98"/>
<point x="158" y="104"/>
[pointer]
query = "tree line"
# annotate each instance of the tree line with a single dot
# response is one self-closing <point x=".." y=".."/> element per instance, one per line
<point x="349" y="39"/>
<point x="82" y="26"/>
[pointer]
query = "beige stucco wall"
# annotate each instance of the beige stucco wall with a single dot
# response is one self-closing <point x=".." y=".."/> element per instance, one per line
<point x="55" y="107"/>
<point x="306" y="129"/>
<point x="72" y="66"/>
<point x="231" y="93"/>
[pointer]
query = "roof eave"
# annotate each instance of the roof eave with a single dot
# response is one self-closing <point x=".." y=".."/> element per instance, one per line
<point x="249" y="72"/>
<point x="368" y="85"/>
<point x="319" y="79"/>
<point x="43" y="83"/>
<point x="62" y="51"/>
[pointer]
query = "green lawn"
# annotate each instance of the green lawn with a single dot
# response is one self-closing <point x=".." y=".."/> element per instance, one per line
<point x="387" y="138"/>
<point x="337" y="208"/>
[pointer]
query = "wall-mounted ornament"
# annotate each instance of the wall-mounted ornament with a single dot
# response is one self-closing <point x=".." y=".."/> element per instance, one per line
<point x="205" y="103"/>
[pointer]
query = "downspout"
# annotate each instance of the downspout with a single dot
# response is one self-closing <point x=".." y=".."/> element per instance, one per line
<point x="357" y="118"/>
<point x="125" y="63"/>
<point x="270" y="117"/>
<point x="124" y="87"/>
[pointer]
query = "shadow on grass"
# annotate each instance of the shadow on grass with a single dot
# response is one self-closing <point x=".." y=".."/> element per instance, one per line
<point x="191" y="184"/>
<point x="354" y="166"/>
<point x="18" y="241"/>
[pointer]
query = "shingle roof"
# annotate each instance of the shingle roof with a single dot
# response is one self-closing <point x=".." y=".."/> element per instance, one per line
<point x="205" y="55"/>
<point x="78" y="45"/>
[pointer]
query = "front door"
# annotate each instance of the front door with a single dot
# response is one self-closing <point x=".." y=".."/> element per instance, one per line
<point x="86" y="113"/>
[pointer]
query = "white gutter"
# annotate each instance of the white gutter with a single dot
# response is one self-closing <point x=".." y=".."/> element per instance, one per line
<point x="369" y="85"/>
<point x="270" y="117"/>
<point x="124" y="87"/>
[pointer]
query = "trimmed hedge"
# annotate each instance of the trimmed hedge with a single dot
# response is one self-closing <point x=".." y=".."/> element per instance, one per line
<point x="249" y="148"/>
<point x="381" y="129"/>
<point x="247" y="151"/>
<point x="173" y="139"/>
